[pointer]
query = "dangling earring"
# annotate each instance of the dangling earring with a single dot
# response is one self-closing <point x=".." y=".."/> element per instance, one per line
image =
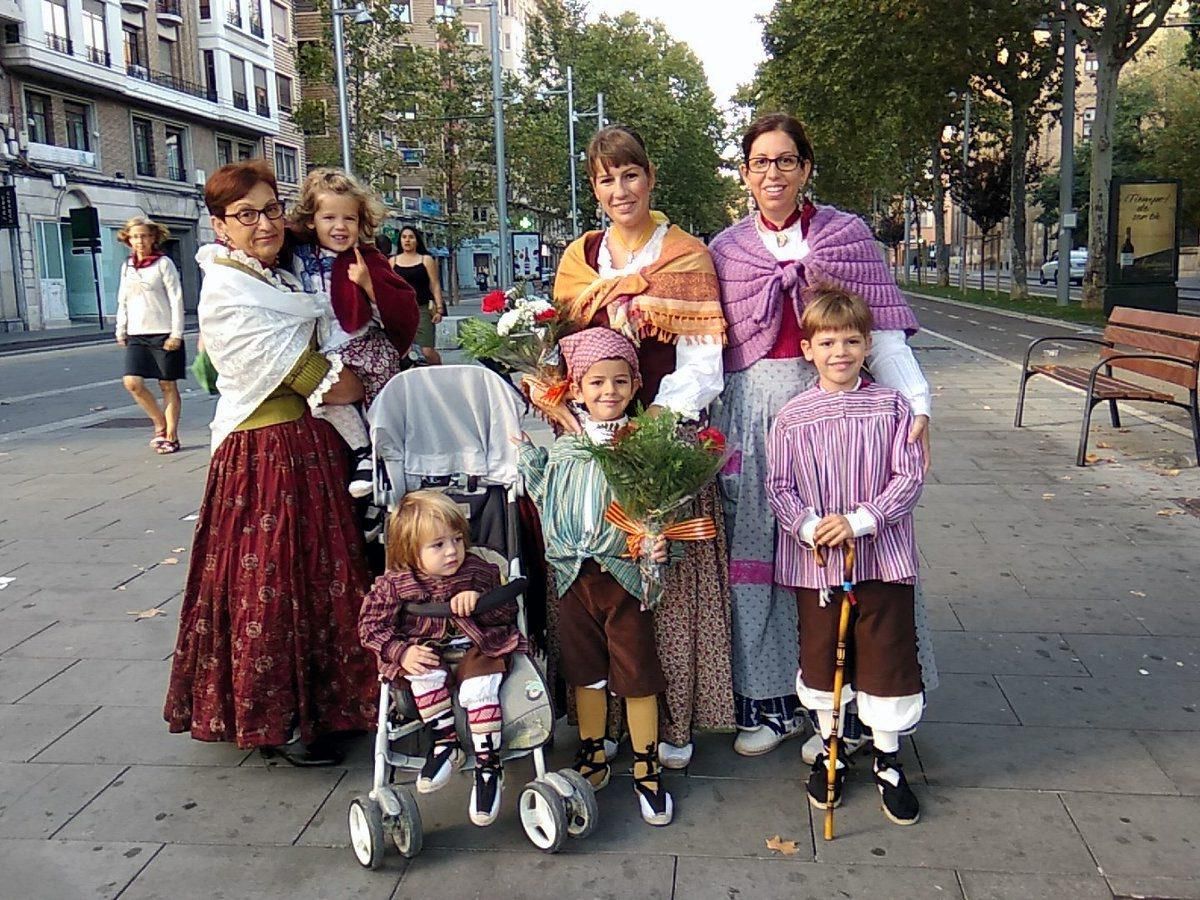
<point x="751" y="203"/>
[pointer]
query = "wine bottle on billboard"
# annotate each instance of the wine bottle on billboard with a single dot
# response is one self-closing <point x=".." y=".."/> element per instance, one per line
<point x="1127" y="249"/>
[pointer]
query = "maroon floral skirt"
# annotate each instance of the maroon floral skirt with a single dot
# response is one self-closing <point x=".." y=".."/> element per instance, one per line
<point x="268" y="632"/>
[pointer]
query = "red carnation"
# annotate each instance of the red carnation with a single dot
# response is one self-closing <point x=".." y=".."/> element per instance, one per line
<point x="711" y="439"/>
<point x="545" y="315"/>
<point x="493" y="302"/>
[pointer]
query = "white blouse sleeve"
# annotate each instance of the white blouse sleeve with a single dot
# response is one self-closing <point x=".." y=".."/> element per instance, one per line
<point x="698" y="379"/>
<point x="174" y="290"/>
<point x="892" y="363"/>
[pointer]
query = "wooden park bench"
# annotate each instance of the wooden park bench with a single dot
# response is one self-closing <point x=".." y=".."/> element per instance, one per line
<point x="1164" y="347"/>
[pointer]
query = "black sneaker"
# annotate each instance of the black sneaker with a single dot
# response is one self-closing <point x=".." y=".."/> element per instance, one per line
<point x="818" y="784"/>
<point x="443" y="758"/>
<point x="489" y="785"/>
<point x="899" y="802"/>
<point x="361" y="483"/>
<point x="655" y="802"/>
<point x="373" y="521"/>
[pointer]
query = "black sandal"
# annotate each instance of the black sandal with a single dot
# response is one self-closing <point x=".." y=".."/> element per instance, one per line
<point x="585" y="762"/>
<point x="305" y="756"/>
<point x="657" y="805"/>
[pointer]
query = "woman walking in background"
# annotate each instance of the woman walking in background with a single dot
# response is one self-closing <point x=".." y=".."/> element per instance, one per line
<point x="150" y="327"/>
<point x="414" y="264"/>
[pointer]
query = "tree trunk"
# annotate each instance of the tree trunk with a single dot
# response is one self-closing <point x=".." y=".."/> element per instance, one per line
<point x="1019" y="286"/>
<point x="939" y="217"/>
<point x="1102" y="163"/>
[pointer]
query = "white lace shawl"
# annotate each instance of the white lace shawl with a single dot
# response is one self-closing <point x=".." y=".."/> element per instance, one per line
<point x="256" y="323"/>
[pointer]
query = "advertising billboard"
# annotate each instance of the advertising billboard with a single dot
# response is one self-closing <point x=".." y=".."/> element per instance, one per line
<point x="1144" y="236"/>
<point x="526" y="256"/>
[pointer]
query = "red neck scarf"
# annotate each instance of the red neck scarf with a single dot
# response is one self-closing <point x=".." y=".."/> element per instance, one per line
<point x="802" y="214"/>
<point x="145" y="261"/>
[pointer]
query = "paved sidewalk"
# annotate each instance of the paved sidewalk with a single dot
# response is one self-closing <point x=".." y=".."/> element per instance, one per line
<point x="1057" y="760"/>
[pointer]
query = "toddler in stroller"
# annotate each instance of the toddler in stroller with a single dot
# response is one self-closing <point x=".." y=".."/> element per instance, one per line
<point x="442" y="615"/>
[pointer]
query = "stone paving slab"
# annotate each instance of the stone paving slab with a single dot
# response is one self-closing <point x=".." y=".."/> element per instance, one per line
<point x="1167" y="617"/>
<point x="961" y="828"/>
<point x="967" y="699"/>
<point x="1173" y="658"/>
<point x="28" y="728"/>
<point x="1137" y="835"/>
<point x="208" y="806"/>
<point x="149" y="639"/>
<point x="136" y="736"/>
<point x="1175" y="753"/>
<point x="721" y="879"/>
<point x="37" y="800"/>
<point x="1039" y="759"/>
<point x="19" y="677"/>
<point x="107" y="682"/>
<point x="483" y="876"/>
<point x="71" y="870"/>
<point x="1001" y="654"/>
<point x="1100" y="702"/>
<point x="1150" y="886"/>
<point x="1059" y="615"/>
<point x="258" y="873"/>
<point x="1006" y="886"/>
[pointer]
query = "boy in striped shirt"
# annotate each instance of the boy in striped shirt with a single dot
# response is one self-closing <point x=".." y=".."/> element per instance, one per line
<point x="840" y="466"/>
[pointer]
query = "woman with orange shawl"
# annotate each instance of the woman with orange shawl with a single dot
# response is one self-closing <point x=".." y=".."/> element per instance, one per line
<point x="656" y="284"/>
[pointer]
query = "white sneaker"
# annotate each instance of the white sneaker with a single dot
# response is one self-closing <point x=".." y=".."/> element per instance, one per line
<point x="360" y="488"/>
<point x="671" y="756"/>
<point x="814" y="746"/>
<point x="761" y="739"/>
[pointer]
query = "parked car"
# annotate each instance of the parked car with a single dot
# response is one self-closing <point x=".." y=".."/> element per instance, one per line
<point x="1049" y="270"/>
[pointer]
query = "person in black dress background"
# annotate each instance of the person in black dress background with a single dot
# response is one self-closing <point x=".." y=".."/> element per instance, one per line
<point x="414" y="264"/>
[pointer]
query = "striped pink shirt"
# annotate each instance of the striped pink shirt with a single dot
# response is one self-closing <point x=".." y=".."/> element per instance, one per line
<point x="836" y="453"/>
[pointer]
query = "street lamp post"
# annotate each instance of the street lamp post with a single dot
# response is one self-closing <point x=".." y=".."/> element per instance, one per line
<point x="361" y="17"/>
<point x="571" y="151"/>
<point x="962" y="258"/>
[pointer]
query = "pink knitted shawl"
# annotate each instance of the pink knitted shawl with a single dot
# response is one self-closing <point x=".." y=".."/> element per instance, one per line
<point x="755" y="286"/>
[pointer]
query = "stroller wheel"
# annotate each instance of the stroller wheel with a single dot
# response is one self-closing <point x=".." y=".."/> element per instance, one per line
<point x="543" y="816"/>
<point x="366" y="831"/>
<point x="407" y="832"/>
<point x="582" y="812"/>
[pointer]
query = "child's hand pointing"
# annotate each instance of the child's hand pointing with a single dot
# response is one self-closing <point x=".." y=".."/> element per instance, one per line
<point x="359" y="273"/>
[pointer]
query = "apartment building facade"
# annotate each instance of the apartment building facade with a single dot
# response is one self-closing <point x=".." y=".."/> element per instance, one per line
<point x="126" y="106"/>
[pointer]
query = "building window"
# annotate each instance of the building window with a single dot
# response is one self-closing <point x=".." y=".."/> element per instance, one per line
<point x="246" y="151"/>
<point x="1089" y="119"/>
<point x="41" y="126"/>
<point x="443" y="9"/>
<point x="167" y="56"/>
<point x="176" y="170"/>
<point x="262" y="101"/>
<point x="401" y="11"/>
<point x="205" y="10"/>
<point x="506" y="41"/>
<point x="481" y="215"/>
<point x="237" y="74"/>
<point x="233" y="15"/>
<point x="210" y="74"/>
<point x="1091" y="63"/>
<point x="79" y="136"/>
<point x="224" y="152"/>
<point x="474" y="35"/>
<point x="256" y="20"/>
<point x="95" y="38"/>
<point x="280" y="22"/>
<point x="143" y="147"/>
<point x="283" y="92"/>
<point x="54" y="22"/>
<point x="135" y="54"/>
<point x="286" y="169"/>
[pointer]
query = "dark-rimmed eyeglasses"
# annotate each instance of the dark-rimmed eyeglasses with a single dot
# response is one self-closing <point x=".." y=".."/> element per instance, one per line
<point x="788" y="162"/>
<point x="249" y="217"/>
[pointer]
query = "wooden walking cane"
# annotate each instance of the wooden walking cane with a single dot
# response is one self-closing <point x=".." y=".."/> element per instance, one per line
<point x="839" y="677"/>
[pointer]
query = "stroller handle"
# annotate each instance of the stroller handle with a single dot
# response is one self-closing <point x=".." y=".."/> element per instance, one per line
<point x="506" y="593"/>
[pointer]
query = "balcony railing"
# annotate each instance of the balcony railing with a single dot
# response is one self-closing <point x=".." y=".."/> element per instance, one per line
<point x="176" y="170"/>
<point x="240" y="100"/>
<point x="256" y="26"/>
<point x="99" y="56"/>
<point x="169" y="8"/>
<point x="234" y="17"/>
<point x="60" y="44"/>
<point x="174" y="82"/>
<point x="263" y="108"/>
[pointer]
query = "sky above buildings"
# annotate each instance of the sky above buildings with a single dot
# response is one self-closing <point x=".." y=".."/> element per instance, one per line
<point x="726" y="36"/>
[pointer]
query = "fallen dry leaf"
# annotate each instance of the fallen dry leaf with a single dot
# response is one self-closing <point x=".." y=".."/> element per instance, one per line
<point x="1103" y="445"/>
<point x="139" y="614"/>
<point x="779" y="845"/>
<point x="1169" y="512"/>
<point x="1138" y="593"/>
<point x="1047" y="496"/>
<point x="1169" y="473"/>
<point x="170" y="561"/>
<point x="180" y="550"/>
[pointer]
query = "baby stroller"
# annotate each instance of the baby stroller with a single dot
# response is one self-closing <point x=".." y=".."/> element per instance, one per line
<point x="447" y="428"/>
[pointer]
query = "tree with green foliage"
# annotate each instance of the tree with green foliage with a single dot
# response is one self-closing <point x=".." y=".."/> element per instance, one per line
<point x="984" y="189"/>
<point x="650" y="81"/>
<point x="1114" y="32"/>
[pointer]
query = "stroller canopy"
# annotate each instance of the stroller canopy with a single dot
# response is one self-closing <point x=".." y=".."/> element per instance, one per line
<point x="446" y="420"/>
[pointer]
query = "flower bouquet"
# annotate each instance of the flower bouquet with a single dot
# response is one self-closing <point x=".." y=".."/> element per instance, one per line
<point x="524" y="339"/>
<point x="655" y="471"/>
